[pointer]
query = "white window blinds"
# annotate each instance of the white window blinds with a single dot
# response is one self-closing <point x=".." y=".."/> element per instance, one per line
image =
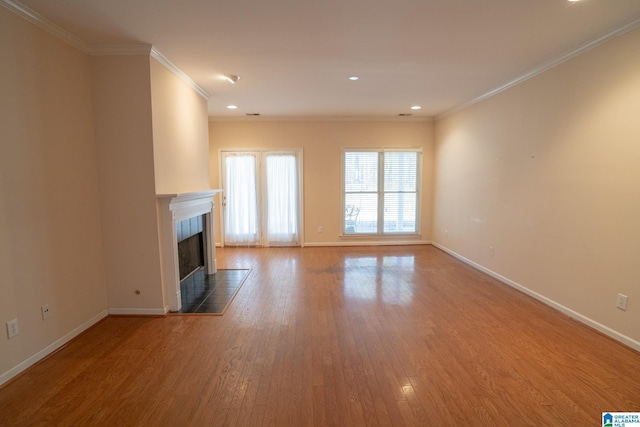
<point x="381" y="192"/>
<point x="400" y="191"/>
<point x="361" y="192"/>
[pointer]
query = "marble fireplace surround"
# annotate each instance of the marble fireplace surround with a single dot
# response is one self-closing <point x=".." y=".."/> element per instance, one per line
<point x="173" y="208"/>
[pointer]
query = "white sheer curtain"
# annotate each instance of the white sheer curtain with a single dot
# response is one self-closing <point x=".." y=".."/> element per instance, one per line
<point x="281" y="178"/>
<point x="241" y="227"/>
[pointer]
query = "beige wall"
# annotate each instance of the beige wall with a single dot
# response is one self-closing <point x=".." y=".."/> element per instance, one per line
<point x="124" y="136"/>
<point x="50" y="244"/>
<point x="180" y="134"/>
<point x="547" y="173"/>
<point x="322" y="142"/>
<point x="180" y="142"/>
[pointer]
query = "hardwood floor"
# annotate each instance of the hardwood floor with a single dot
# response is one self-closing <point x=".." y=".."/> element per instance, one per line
<point x="341" y="337"/>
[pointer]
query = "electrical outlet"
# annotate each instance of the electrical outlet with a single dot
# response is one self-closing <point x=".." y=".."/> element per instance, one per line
<point x="12" y="328"/>
<point x="45" y="311"/>
<point x="320" y="229"/>
<point x="446" y="233"/>
<point x="491" y="251"/>
<point x="622" y="302"/>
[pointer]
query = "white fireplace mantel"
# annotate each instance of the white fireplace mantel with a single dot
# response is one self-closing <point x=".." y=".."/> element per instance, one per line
<point x="173" y="208"/>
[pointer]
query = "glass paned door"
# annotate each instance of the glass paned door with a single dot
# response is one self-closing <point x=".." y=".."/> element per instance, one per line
<point x="281" y="179"/>
<point x="261" y="200"/>
<point x="240" y="205"/>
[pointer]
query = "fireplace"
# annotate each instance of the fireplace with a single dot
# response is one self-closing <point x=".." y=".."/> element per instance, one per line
<point x="174" y="211"/>
<point x="190" y="245"/>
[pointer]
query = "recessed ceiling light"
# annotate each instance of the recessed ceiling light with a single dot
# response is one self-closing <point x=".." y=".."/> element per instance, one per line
<point x="354" y="78"/>
<point x="231" y="78"/>
<point x="416" y="107"/>
<point x="232" y="107"/>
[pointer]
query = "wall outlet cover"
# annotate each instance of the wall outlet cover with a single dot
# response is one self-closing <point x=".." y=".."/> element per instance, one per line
<point x="621" y="303"/>
<point x="12" y="328"/>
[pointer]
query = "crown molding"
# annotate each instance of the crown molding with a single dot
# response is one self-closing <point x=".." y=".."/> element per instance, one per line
<point x="320" y="119"/>
<point x="144" y="49"/>
<point x="148" y="50"/>
<point x="120" y="49"/>
<point x="155" y="53"/>
<point x="97" y="50"/>
<point x="42" y="22"/>
<point x="546" y="66"/>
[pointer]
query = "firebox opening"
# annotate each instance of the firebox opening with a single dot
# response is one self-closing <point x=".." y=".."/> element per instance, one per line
<point x="191" y="254"/>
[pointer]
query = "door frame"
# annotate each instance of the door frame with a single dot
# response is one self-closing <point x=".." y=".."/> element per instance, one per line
<point x="261" y="189"/>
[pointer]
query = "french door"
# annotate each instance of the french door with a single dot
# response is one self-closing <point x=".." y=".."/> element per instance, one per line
<point x="261" y="199"/>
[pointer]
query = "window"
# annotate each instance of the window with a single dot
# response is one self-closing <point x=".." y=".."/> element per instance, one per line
<point x="381" y="191"/>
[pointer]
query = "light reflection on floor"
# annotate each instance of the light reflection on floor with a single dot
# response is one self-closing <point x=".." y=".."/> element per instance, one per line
<point x="383" y="278"/>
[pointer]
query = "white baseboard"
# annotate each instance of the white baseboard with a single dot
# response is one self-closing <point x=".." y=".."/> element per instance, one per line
<point x="369" y="243"/>
<point x="6" y="376"/>
<point x="357" y="242"/>
<point x="628" y="341"/>
<point x="139" y="311"/>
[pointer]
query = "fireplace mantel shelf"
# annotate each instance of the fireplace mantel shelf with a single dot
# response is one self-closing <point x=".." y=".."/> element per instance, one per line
<point x="193" y="195"/>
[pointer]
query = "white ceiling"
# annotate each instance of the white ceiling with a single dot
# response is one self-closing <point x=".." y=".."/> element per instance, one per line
<point x="295" y="56"/>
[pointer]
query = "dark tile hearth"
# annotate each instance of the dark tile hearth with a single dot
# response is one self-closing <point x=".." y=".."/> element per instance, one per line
<point x="210" y="294"/>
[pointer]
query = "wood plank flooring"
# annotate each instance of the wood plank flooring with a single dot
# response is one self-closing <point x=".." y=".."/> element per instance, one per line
<point x="389" y="336"/>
